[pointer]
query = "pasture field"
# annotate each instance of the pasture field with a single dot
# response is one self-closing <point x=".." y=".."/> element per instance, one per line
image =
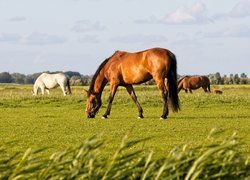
<point x="58" y="122"/>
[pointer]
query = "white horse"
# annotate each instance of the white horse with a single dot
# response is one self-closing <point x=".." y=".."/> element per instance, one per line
<point x="48" y="81"/>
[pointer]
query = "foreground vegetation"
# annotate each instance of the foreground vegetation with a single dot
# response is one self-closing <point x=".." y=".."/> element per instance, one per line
<point x="214" y="161"/>
<point x="58" y="122"/>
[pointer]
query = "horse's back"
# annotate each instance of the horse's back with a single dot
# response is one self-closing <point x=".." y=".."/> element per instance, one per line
<point x="52" y="80"/>
<point x="138" y="67"/>
<point x="61" y="76"/>
<point x="198" y="81"/>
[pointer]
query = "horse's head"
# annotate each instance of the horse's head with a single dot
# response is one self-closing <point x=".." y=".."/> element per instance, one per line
<point x="35" y="90"/>
<point x="93" y="104"/>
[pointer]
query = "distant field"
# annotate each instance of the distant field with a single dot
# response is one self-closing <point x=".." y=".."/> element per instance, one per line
<point x="58" y="122"/>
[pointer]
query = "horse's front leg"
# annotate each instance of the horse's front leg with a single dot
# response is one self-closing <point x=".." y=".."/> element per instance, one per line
<point x="63" y="87"/>
<point x="42" y="90"/>
<point x="131" y="92"/>
<point x="113" y="89"/>
<point x="47" y="90"/>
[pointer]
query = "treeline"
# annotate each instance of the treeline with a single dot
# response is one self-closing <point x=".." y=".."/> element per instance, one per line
<point x="77" y="79"/>
<point x="231" y="79"/>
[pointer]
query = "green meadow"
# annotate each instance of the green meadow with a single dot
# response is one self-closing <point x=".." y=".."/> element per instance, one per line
<point x="58" y="122"/>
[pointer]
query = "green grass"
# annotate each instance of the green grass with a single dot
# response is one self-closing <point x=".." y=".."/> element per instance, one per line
<point x="58" y="122"/>
<point x="214" y="160"/>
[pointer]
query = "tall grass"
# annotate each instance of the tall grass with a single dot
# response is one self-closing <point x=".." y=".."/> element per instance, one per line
<point x="216" y="160"/>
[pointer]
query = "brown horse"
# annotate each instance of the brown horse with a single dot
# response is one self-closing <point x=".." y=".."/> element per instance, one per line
<point x="125" y="69"/>
<point x="189" y="83"/>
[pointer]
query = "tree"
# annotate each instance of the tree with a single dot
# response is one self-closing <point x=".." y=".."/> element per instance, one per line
<point x="72" y="73"/>
<point x="76" y="81"/>
<point x="18" y="78"/>
<point x="226" y="80"/>
<point x="86" y="80"/>
<point x="243" y="79"/>
<point x="243" y="75"/>
<point x="5" y="77"/>
<point x="31" y="78"/>
<point x="231" y="79"/>
<point x="236" y="79"/>
<point x="218" y="78"/>
<point x="213" y="79"/>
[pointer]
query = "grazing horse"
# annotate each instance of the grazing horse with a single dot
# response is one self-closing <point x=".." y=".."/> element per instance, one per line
<point x="48" y="81"/>
<point x="126" y="69"/>
<point x="189" y="83"/>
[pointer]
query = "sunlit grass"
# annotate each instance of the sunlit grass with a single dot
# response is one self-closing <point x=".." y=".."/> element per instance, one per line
<point x="58" y="122"/>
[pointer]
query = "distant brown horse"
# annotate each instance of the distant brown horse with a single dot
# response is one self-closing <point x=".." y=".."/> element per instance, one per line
<point x="125" y="69"/>
<point x="189" y="83"/>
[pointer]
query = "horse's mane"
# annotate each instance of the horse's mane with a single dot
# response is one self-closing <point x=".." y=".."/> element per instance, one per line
<point x="92" y="83"/>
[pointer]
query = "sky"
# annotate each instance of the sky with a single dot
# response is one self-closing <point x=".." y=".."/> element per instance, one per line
<point x="207" y="36"/>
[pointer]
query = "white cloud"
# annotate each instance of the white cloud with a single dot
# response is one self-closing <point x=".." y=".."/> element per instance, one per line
<point x="9" y="37"/>
<point x="42" y="39"/>
<point x="241" y="9"/>
<point x="187" y="15"/>
<point x="86" y="26"/>
<point x="196" y="13"/>
<point x="139" y="38"/>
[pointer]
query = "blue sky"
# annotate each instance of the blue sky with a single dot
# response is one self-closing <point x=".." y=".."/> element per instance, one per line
<point x="207" y="36"/>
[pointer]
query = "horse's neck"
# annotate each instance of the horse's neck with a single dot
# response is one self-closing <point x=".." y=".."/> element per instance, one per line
<point x="100" y="83"/>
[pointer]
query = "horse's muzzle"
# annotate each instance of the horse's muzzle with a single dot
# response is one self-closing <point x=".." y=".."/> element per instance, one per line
<point x="91" y="115"/>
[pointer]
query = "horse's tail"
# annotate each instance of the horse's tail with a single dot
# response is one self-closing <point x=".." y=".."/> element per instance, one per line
<point x="172" y="80"/>
<point x="68" y="85"/>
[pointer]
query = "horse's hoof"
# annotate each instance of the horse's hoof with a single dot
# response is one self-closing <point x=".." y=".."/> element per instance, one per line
<point x="104" y="117"/>
<point x="140" y="117"/>
<point x="163" y="117"/>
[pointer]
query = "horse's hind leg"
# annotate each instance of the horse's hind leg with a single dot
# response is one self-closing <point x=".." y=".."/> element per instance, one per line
<point x="205" y="89"/>
<point x="164" y="93"/>
<point x="131" y="92"/>
<point x="63" y="87"/>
